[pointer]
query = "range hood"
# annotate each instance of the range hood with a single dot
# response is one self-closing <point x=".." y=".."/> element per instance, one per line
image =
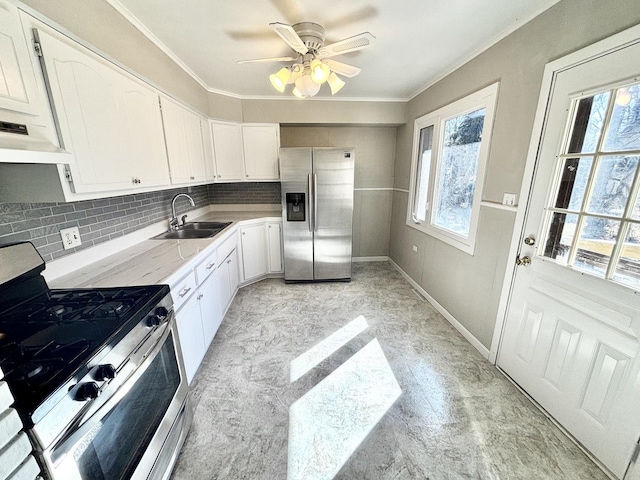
<point x="25" y="139"/>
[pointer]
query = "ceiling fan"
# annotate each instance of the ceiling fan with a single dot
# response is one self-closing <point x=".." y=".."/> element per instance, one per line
<point x="313" y="66"/>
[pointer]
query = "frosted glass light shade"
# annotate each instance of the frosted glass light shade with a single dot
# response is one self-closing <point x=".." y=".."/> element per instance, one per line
<point x="306" y="86"/>
<point x="279" y="80"/>
<point x="319" y="71"/>
<point x="296" y="93"/>
<point x="335" y="83"/>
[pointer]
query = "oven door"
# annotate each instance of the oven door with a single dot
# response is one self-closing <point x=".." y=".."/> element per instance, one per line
<point x="138" y="432"/>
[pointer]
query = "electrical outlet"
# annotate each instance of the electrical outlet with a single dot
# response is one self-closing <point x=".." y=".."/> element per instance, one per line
<point x="70" y="237"/>
<point x="415" y="248"/>
<point x="509" y="199"/>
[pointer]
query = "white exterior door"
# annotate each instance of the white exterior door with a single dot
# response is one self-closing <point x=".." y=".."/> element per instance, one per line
<point x="571" y="333"/>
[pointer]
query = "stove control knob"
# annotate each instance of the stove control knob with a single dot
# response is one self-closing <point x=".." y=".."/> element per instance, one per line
<point x="154" y="321"/>
<point x="86" y="391"/>
<point x="105" y="372"/>
<point x="162" y="312"/>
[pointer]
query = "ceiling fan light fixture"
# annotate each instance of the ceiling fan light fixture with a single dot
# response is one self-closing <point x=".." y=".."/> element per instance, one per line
<point x="279" y="80"/>
<point x="296" y="93"/>
<point x="319" y="71"/>
<point x="335" y="83"/>
<point x="306" y="86"/>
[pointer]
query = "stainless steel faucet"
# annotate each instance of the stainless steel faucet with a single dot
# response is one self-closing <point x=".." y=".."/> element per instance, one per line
<point x="174" y="224"/>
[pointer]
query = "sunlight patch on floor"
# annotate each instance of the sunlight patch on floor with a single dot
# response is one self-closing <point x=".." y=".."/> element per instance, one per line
<point x="316" y="354"/>
<point x="329" y="422"/>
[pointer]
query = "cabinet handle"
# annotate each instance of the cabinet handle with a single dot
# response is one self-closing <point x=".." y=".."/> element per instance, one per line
<point x="200" y="296"/>
<point x="210" y="266"/>
<point x="192" y="178"/>
<point x="243" y="233"/>
<point x="247" y="176"/>
<point x="219" y="176"/>
<point x="229" y="261"/>
<point x="184" y="292"/>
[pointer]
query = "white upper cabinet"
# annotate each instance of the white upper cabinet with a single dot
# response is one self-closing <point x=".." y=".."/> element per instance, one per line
<point x="227" y="145"/>
<point x="261" y="143"/>
<point x="209" y="157"/>
<point x="185" y="147"/>
<point x="108" y="120"/>
<point x="146" y="149"/>
<point x="17" y="79"/>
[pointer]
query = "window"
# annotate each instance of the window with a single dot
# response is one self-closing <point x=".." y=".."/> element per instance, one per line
<point x="593" y="216"/>
<point x="451" y="147"/>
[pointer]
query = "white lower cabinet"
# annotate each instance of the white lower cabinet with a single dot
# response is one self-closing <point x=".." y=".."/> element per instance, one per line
<point x="228" y="279"/>
<point x="254" y="251"/>
<point x="274" y="247"/>
<point x="191" y="335"/>
<point x="209" y="295"/>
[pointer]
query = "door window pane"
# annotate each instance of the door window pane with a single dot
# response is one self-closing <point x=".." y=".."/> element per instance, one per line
<point x="422" y="174"/>
<point x="595" y="245"/>
<point x="560" y="237"/>
<point x="628" y="268"/>
<point x="589" y="119"/>
<point x="458" y="170"/>
<point x="624" y="129"/>
<point x="573" y="182"/>
<point x="612" y="185"/>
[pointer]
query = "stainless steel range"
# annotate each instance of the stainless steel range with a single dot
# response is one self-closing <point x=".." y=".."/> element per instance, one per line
<point x="97" y="374"/>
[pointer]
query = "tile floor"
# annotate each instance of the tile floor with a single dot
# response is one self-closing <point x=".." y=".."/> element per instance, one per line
<point x="457" y="416"/>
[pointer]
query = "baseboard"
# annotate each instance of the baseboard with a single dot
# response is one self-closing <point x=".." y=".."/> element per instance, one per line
<point x="260" y="278"/>
<point x="484" y="351"/>
<point x="369" y="259"/>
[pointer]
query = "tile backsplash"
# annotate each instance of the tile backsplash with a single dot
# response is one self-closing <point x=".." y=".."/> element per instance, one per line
<point x="107" y="218"/>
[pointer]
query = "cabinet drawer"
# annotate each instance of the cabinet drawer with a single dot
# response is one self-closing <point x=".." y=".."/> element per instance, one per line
<point x="182" y="290"/>
<point x="227" y="246"/>
<point x="207" y="267"/>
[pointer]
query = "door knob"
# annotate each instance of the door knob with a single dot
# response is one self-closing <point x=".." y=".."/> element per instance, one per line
<point x="530" y="241"/>
<point x="525" y="261"/>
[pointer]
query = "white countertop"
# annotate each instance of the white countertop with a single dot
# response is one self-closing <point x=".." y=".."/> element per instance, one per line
<point x="155" y="261"/>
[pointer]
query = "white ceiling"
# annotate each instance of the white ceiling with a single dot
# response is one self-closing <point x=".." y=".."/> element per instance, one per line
<point x="417" y="41"/>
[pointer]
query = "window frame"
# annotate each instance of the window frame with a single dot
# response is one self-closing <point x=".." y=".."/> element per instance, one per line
<point x="485" y="98"/>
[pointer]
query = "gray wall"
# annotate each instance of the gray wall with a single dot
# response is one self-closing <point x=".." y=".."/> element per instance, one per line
<point x="318" y="112"/>
<point x="107" y="218"/>
<point x="469" y="286"/>
<point x="375" y="152"/>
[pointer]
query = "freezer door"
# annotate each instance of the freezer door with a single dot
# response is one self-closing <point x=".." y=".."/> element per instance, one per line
<point x="297" y="231"/>
<point x="333" y="212"/>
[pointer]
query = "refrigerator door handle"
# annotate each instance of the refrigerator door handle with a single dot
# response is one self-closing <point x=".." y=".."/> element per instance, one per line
<point x="315" y="202"/>
<point x="311" y="219"/>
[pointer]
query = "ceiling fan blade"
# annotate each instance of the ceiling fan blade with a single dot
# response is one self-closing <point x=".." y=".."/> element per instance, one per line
<point x="342" y="68"/>
<point x="289" y="35"/>
<point x="350" y="44"/>
<point x="273" y="59"/>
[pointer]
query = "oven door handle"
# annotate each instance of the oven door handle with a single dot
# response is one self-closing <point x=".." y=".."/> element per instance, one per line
<point x="78" y="430"/>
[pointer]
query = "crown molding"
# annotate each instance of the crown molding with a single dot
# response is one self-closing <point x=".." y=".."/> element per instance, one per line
<point x="324" y="99"/>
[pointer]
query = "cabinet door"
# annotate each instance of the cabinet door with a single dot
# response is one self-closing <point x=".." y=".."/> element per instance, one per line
<point x="254" y="251"/>
<point x="209" y="296"/>
<point x="274" y="246"/>
<point x="146" y="152"/>
<point x="224" y="286"/>
<point x="197" y="168"/>
<point x="260" y="145"/>
<point x="90" y="110"/>
<point x="191" y="335"/>
<point x="227" y="146"/>
<point x="234" y="274"/>
<point x="177" y="140"/>
<point x="209" y="157"/>
<point x="17" y="79"/>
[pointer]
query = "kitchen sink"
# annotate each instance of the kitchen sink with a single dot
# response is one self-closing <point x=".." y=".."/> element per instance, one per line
<point x="194" y="230"/>
<point x="205" y="225"/>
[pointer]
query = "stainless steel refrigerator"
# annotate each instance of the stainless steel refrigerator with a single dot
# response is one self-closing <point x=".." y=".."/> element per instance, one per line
<point x="317" y="212"/>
